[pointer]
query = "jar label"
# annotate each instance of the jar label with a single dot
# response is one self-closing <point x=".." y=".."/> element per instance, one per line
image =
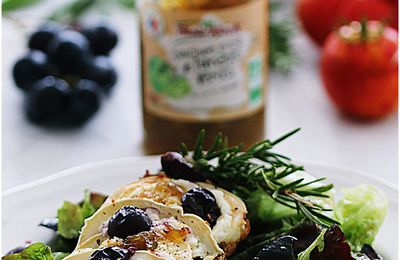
<point x="204" y="65"/>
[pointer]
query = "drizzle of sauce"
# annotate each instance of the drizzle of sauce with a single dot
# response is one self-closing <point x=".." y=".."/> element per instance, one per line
<point x="149" y="240"/>
<point x="159" y="189"/>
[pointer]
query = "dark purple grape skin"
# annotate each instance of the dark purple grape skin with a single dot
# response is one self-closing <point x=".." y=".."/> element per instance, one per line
<point x="66" y="53"/>
<point x="335" y="246"/>
<point x="50" y="223"/>
<point x="85" y="102"/>
<point x="29" y="69"/>
<point x="70" y="52"/>
<point x="111" y="253"/>
<point x="48" y="99"/>
<point x="128" y="221"/>
<point x="102" y="37"/>
<point x="280" y="248"/>
<point x="306" y="233"/>
<point x="201" y="202"/>
<point x="102" y="71"/>
<point x="370" y="252"/>
<point x="16" y="250"/>
<point x="176" y="167"/>
<point x="41" y="38"/>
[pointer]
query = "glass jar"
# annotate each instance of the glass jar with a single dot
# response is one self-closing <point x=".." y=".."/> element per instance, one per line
<point x="204" y="66"/>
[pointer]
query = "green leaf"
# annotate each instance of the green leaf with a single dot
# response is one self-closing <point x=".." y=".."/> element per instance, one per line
<point x="131" y="4"/>
<point x="12" y="5"/>
<point x="71" y="216"/>
<point x="87" y="207"/>
<point x="72" y="11"/>
<point x="265" y="208"/>
<point x="36" y="251"/>
<point x="71" y="219"/>
<point x="361" y="212"/>
<point x="318" y="243"/>
<point x="60" y="244"/>
<point x="59" y="255"/>
<point x="97" y="199"/>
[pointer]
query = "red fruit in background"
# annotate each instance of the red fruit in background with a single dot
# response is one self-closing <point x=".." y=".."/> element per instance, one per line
<point x="359" y="69"/>
<point x="356" y="10"/>
<point x="320" y="17"/>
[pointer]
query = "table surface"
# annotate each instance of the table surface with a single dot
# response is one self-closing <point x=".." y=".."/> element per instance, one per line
<point x="295" y="100"/>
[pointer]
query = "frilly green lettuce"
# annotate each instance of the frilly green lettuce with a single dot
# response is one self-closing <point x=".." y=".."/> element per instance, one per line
<point x="36" y="251"/>
<point x="71" y="216"/>
<point x="361" y="212"/>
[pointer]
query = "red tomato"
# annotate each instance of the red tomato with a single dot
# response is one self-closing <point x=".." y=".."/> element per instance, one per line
<point x="320" y="17"/>
<point x="356" y="10"/>
<point x="360" y="73"/>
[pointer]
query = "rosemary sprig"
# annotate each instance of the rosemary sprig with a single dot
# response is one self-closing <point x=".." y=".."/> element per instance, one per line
<point x="258" y="167"/>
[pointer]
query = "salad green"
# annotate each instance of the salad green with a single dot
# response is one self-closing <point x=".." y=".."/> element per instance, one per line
<point x="265" y="208"/>
<point x="71" y="216"/>
<point x="287" y="207"/>
<point x="361" y="212"/>
<point x="36" y="251"/>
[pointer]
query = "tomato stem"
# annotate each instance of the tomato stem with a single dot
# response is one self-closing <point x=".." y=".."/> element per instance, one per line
<point x="364" y="30"/>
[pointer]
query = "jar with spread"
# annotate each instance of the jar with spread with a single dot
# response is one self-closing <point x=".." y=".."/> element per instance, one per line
<point x="204" y="66"/>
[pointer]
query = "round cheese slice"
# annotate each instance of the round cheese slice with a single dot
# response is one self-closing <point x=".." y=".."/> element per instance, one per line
<point x="231" y="227"/>
<point x="173" y="235"/>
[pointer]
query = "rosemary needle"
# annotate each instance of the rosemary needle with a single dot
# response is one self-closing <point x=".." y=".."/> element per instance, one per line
<point x="258" y="167"/>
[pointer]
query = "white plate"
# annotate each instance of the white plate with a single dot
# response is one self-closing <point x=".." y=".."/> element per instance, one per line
<point x="25" y="206"/>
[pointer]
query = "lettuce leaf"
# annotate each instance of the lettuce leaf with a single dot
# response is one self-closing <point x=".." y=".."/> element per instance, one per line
<point x="266" y="209"/>
<point x="88" y="209"/>
<point x="36" y="251"/>
<point x="71" y="220"/>
<point x="361" y="212"/>
<point x="59" y="255"/>
<point x="71" y="216"/>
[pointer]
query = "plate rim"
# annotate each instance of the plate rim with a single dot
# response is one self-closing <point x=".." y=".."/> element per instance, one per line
<point x="102" y="163"/>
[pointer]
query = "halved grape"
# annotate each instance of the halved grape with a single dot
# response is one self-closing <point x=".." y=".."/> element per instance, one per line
<point x="111" y="253"/>
<point x="128" y="221"/>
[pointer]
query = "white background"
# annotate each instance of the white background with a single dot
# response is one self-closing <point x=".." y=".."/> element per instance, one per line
<point x="295" y="100"/>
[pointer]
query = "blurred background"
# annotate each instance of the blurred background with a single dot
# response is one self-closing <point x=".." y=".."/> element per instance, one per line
<point x="296" y="93"/>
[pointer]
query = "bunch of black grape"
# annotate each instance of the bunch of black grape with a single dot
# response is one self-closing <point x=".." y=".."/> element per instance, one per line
<point x="66" y="73"/>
